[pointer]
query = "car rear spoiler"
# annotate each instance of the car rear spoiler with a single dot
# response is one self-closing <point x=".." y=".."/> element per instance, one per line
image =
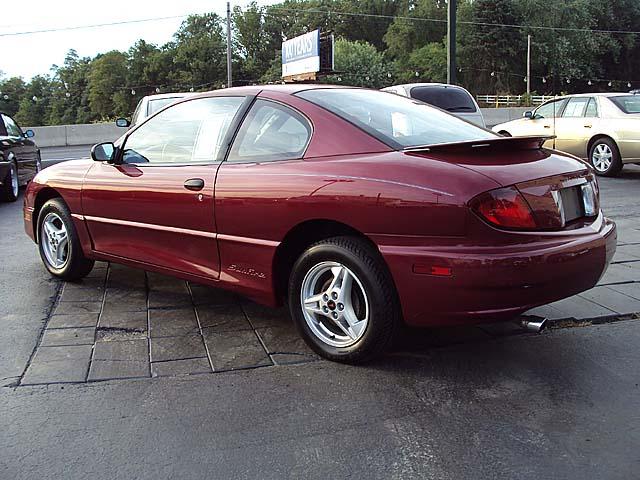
<point x="498" y="143"/>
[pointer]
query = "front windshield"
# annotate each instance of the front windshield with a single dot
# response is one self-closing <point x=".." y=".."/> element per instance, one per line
<point x="400" y="122"/>
<point x="627" y="103"/>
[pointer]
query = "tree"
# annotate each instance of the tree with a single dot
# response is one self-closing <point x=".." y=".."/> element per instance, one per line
<point x="494" y="53"/>
<point x="11" y="92"/>
<point x="199" y="52"/>
<point x="430" y="62"/>
<point x="107" y="83"/>
<point x="359" y="64"/>
<point x="34" y="105"/>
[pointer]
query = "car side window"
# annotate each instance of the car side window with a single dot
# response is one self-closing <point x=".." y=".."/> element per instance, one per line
<point x="189" y="132"/>
<point x="12" y="127"/>
<point x="270" y="132"/>
<point x="592" y="108"/>
<point x="576" y="107"/>
<point x="550" y="110"/>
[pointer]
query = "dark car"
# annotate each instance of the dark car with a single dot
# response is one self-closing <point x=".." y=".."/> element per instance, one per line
<point x="360" y="209"/>
<point x="19" y="158"/>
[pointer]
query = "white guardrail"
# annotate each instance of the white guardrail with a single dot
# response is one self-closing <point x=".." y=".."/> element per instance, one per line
<point x="511" y="100"/>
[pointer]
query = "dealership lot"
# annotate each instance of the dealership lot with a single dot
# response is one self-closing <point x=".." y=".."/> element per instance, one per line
<point x="94" y="381"/>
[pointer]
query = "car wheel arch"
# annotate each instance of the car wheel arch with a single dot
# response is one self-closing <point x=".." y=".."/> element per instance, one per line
<point x="42" y="197"/>
<point x="298" y="239"/>
<point x="597" y="137"/>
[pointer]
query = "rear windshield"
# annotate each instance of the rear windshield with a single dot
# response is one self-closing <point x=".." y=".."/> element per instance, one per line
<point x="627" y="103"/>
<point x="400" y="122"/>
<point x="157" y="104"/>
<point x="451" y="99"/>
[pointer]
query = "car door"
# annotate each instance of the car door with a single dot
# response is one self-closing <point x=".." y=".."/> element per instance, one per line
<point x="574" y="128"/>
<point x="543" y="121"/>
<point x="253" y="186"/>
<point x="23" y="148"/>
<point x="155" y="205"/>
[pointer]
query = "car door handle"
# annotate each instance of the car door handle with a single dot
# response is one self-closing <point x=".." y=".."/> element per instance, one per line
<point x="547" y="126"/>
<point x="587" y="126"/>
<point x="194" y="184"/>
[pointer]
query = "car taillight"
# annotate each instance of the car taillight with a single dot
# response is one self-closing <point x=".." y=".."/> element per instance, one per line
<point x="504" y="207"/>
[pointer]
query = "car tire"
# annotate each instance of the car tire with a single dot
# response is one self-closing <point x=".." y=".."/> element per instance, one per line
<point x="343" y="300"/>
<point x="59" y="244"/>
<point x="10" y="185"/>
<point x="605" y="157"/>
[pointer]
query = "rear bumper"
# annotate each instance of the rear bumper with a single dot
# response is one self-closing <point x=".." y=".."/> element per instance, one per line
<point x="493" y="283"/>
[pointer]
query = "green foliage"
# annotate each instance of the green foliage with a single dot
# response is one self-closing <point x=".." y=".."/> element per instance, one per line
<point x="11" y="91"/>
<point x="34" y="105"/>
<point x="107" y="77"/>
<point x="359" y="64"/>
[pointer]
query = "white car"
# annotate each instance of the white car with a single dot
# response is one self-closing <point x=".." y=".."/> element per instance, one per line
<point x="149" y="105"/>
<point x="451" y="98"/>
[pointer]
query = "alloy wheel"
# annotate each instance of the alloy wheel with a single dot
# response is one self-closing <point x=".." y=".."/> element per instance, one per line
<point x="13" y="173"/>
<point x="55" y="240"/>
<point x="334" y="304"/>
<point x="602" y="157"/>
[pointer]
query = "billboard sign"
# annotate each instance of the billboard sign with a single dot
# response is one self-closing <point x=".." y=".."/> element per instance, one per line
<point x="301" y="54"/>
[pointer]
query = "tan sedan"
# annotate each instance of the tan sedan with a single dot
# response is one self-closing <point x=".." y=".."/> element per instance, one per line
<point x="602" y="128"/>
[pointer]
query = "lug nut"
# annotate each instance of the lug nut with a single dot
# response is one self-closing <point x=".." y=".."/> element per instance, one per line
<point x="335" y="315"/>
<point x="325" y="297"/>
<point x="334" y="295"/>
<point x="340" y="306"/>
<point x="325" y="309"/>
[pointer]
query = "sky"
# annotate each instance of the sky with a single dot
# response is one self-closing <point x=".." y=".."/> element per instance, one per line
<point x="33" y="54"/>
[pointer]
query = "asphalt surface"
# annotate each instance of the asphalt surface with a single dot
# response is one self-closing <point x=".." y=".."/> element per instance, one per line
<point x="563" y="404"/>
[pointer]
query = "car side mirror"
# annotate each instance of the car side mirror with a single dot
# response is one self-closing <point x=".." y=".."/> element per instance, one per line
<point x="528" y="114"/>
<point x="122" y="122"/>
<point x="29" y="133"/>
<point x="103" y="152"/>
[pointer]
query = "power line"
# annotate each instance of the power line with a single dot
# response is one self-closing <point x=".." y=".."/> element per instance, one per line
<point x="444" y="20"/>
<point x="97" y="25"/>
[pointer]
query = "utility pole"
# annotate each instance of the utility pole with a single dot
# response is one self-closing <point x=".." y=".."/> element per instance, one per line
<point x="528" y="64"/>
<point x="228" y="44"/>
<point x="451" y="41"/>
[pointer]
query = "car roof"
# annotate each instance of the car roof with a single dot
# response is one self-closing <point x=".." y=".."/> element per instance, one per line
<point x="427" y="84"/>
<point x="169" y="95"/>
<point x="288" y="88"/>
<point x="594" y="94"/>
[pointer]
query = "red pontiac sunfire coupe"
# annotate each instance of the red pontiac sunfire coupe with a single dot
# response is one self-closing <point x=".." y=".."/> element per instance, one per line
<point x="361" y="209"/>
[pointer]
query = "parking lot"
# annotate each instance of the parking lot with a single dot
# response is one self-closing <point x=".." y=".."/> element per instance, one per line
<point x="180" y="380"/>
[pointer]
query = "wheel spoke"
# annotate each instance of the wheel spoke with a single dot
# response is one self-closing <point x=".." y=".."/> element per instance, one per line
<point x="63" y="241"/>
<point x="312" y="304"/>
<point x="338" y="274"/>
<point x="356" y="326"/>
<point x="48" y="228"/>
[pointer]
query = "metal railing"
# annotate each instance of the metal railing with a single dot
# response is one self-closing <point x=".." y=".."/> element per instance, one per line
<point x="512" y="100"/>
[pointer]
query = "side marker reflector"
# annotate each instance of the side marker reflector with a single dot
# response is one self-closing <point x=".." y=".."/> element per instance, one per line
<point x="437" y="271"/>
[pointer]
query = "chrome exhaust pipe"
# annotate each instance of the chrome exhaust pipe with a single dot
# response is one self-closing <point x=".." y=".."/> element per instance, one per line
<point x="535" y="324"/>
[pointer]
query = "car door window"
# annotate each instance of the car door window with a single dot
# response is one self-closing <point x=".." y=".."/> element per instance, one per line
<point x="592" y="109"/>
<point x="575" y="107"/>
<point x="12" y="127"/>
<point x="550" y="110"/>
<point x="190" y="132"/>
<point x="271" y="132"/>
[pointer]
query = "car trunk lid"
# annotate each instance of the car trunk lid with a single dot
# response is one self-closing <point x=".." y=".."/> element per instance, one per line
<point x="558" y="188"/>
